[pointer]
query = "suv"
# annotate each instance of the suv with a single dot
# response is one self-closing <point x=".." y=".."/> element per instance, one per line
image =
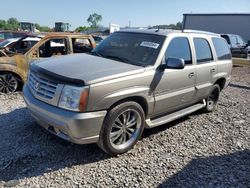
<point x="238" y="46"/>
<point x="134" y="79"/>
<point x="15" y="64"/>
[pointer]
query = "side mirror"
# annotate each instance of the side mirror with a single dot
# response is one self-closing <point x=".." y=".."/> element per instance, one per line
<point x="173" y="63"/>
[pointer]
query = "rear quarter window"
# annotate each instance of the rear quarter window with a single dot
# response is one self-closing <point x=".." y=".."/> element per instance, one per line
<point x="222" y="49"/>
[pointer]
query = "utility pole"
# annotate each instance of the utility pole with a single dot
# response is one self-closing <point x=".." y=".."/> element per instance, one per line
<point x="129" y="24"/>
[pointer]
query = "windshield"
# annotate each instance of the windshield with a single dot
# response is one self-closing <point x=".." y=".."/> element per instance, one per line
<point x="133" y="48"/>
<point x="4" y="43"/>
<point x="7" y="42"/>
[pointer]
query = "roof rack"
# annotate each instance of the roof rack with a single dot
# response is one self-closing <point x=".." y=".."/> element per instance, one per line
<point x="199" y="32"/>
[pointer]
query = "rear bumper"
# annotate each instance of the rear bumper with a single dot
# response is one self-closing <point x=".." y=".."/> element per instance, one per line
<point x="79" y="128"/>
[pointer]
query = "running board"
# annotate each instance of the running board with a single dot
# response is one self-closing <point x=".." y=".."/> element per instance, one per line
<point x="173" y="116"/>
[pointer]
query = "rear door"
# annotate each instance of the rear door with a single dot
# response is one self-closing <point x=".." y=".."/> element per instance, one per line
<point x="206" y="66"/>
<point x="175" y="88"/>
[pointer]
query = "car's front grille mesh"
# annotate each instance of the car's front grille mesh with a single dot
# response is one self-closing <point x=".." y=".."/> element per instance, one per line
<point x="42" y="87"/>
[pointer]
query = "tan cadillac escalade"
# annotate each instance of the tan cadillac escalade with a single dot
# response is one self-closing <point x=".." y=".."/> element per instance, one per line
<point x="133" y="80"/>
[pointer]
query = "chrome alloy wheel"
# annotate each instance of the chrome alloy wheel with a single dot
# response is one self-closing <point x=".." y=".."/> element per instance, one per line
<point x="125" y="129"/>
<point x="8" y="83"/>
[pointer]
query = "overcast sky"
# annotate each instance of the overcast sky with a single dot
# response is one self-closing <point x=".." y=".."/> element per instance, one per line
<point x="139" y="12"/>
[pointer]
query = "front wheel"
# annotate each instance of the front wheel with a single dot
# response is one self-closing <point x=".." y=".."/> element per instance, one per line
<point x="212" y="99"/>
<point x="8" y="83"/>
<point x="122" y="128"/>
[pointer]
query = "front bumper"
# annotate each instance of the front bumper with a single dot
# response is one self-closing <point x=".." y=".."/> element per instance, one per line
<point x="79" y="128"/>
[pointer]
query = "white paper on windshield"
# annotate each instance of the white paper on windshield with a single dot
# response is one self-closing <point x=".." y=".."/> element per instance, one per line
<point x="149" y="44"/>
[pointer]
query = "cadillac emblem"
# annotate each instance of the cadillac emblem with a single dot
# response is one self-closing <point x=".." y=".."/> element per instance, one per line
<point x="37" y="86"/>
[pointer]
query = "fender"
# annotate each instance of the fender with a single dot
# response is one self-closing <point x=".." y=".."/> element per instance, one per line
<point x="128" y="93"/>
<point x="10" y="68"/>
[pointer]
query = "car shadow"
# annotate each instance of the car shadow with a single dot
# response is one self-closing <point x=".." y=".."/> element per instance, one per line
<point x="27" y="150"/>
<point x="166" y="126"/>
<point x="231" y="170"/>
<point x="239" y="86"/>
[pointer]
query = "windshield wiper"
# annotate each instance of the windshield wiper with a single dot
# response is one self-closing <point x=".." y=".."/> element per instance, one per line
<point x="122" y="59"/>
<point x="96" y="54"/>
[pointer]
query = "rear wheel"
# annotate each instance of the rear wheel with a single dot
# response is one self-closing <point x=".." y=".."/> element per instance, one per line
<point x="122" y="128"/>
<point x="8" y="83"/>
<point x="212" y="99"/>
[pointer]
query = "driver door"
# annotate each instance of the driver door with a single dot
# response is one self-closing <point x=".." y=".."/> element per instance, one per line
<point x="175" y="88"/>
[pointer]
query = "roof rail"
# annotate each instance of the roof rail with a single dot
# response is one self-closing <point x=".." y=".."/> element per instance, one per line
<point x="200" y="32"/>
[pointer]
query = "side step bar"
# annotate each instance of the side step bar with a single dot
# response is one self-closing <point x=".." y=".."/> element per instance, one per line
<point x="173" y="116"/>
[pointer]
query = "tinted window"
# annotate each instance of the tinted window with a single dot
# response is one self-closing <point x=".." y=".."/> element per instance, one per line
<point x="203" y="51"/>
<point x="221" y="48"/>
<point x="240" y="40"/>
<point x="233" y="40"/>
<point x="1" y="36"/>
<point x="19" y="34"/>
<point x="179" y="48"/>
<point x="227" y="38"/>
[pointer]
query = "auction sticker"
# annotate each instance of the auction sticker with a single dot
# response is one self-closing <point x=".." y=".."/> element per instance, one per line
<point x="149" y="44"/>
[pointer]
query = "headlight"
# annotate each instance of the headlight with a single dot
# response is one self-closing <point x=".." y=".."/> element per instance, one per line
<point x="74" y="98"/>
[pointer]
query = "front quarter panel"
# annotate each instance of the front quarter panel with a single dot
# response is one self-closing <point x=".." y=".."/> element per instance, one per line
<point x="13" y="64"/>
<point x="103" y="95"/>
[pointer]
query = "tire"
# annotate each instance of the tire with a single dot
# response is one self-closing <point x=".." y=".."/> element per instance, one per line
<point x="8" y="83"/>
<point x="122" y="128"/>
<point x="212" y="99"/>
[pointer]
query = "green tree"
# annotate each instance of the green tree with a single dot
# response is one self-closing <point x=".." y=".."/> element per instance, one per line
<point x="83" y="28"/>
<point x="178" y="25"/>
<point x="2" y="24"/>
<point x="12" y="24"/>
<point x="42" y="28"/>
<point x="94" y="19"/>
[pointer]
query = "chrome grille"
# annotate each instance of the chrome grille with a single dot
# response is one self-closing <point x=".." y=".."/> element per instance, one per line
<point x="42" y="87"/>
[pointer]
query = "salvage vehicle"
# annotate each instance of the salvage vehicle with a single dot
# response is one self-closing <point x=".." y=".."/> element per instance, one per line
<point x="239" y="48"/>
<point x="13" y="46"/>
<point x="134" y="79"/>
<point x="15" y="65"/>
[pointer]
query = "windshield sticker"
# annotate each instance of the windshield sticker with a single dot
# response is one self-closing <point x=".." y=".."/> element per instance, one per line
<point x="150" y="44"/>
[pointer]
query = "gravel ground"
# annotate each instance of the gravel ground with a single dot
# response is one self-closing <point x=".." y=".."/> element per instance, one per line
<point x="201" y="150"/>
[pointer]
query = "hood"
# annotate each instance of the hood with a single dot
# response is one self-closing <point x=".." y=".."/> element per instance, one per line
<point x="88" y="68"/>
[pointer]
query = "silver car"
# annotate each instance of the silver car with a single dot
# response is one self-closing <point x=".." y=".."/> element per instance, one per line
<point x="134" y="79"/>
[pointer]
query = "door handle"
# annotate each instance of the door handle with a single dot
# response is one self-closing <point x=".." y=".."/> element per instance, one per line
<point x="191" y="75"/>
<point x="212" y="70"/>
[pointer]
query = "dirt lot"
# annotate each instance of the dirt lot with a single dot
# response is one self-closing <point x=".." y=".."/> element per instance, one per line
<point x="201" y="150"/>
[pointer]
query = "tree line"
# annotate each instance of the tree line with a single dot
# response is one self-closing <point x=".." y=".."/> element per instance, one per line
<point x="94" y="21"/>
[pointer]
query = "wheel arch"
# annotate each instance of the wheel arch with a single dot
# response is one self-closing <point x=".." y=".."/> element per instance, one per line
<point x="138" y="99"/>
<point x="221" y="82"/>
